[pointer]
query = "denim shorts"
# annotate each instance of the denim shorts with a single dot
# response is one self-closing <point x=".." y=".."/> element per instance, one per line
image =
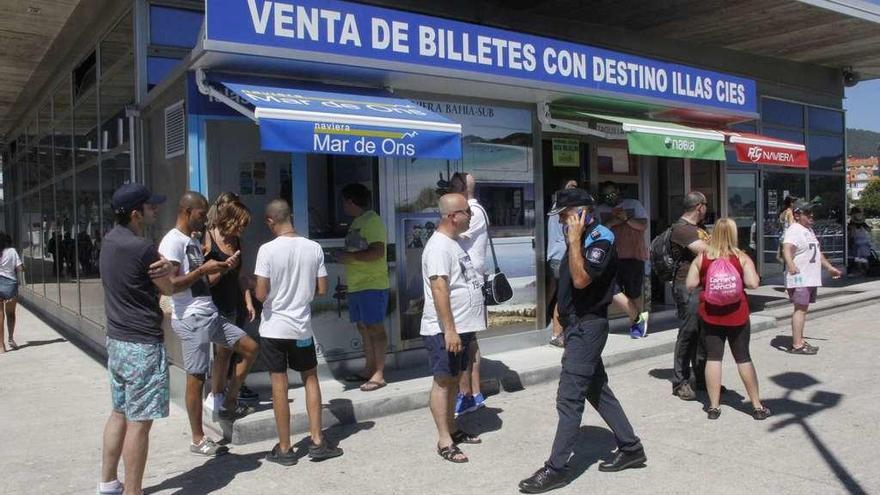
<point x="138" y="379"/>
<point x="8" y="288"/>
<point x="445" y="363"/>
<point x="367" y="306"/>
<point x="197" y="332"/>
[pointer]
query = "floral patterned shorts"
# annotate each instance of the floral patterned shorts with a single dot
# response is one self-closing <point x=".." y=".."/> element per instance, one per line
<point x="138" y="379"/>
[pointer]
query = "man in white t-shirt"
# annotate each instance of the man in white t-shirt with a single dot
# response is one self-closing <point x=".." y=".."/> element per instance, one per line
<point x="803" y="273"/>
<point x="454" y="311"/>
<point x="290" y="272"/>
<point x="474" y="241"/>
<point x="197" y="323"/>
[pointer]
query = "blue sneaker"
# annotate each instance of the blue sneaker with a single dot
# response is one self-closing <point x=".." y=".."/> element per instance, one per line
<point x="464" y="404"/>
<point x="639" y="329"/>
<point x="479" y="401"/>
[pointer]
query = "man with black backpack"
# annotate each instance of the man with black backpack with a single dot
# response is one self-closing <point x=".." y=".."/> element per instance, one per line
<point x="687" y="239"/>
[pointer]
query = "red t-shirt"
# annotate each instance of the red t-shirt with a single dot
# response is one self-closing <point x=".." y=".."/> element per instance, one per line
<point x="733" y="315"/>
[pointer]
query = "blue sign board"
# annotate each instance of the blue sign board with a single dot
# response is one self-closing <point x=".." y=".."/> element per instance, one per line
<point x="353" y="34"/>
<point x="301" y="120"/>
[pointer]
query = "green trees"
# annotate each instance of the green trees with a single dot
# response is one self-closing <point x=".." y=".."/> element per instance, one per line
<point x="870" y="199"/>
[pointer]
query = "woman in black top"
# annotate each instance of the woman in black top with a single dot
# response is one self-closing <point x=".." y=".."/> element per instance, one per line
<point x="231" y="291"/>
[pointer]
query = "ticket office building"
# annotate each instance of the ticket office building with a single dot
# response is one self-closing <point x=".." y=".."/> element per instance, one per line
<point x="152" y="99"/>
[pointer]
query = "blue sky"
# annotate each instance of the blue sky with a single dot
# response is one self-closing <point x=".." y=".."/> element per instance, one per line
<point x="862" y="105"/>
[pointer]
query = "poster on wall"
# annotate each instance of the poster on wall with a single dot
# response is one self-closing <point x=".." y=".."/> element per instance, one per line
<point x="414" y="230"/>
<point x="566" y="152"/>
<point x="245" y="178"/>
<point x="497" y="149"/>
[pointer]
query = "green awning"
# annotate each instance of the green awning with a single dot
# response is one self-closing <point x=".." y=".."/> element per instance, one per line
<point x="646" y="137"/>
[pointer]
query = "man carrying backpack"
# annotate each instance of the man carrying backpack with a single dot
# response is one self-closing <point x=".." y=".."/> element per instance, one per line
<point x="688" y="239"/>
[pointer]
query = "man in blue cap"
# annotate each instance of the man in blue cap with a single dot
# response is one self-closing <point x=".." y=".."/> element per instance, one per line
<point x="586" y="287"/>
<point x="133" y="275"/>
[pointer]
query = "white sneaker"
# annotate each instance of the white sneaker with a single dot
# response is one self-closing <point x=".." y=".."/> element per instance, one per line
<point x="111" y="488"/>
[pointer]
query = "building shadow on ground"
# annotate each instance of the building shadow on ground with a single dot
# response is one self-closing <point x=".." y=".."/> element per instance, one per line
<point x="789" y="412"/>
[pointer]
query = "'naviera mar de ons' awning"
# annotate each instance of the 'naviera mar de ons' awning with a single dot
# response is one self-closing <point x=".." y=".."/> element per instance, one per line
<point x="646" y="137"/>
<point x="309" y="121"/>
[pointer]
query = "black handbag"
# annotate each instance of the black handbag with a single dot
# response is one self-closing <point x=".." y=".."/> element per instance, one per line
<point x="496" y="288"/>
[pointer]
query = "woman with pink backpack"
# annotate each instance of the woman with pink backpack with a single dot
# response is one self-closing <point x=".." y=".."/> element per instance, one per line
<point x="723" y="271"/>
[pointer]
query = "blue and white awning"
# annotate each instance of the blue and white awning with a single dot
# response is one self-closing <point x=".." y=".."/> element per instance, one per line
<point x="308" y="121"/>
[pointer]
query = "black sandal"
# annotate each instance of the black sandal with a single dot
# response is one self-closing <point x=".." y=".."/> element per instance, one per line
<point x="713" y="413"/>
<point x="462" y="436"/>
<point x="451" y="454"/>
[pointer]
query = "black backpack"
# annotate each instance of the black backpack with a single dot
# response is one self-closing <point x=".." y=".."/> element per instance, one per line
<point x="663" y="260"/>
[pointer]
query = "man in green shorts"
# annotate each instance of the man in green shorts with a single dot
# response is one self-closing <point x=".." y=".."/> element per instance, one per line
<point x="366" y="274"/>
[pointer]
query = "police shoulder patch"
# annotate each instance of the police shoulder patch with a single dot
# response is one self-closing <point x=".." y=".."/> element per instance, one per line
<point x="596" y="255"/>
<point x="595" y="234"/>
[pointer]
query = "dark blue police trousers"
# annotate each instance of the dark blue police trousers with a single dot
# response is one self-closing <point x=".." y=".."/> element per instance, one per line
<point x="583" y="378"/>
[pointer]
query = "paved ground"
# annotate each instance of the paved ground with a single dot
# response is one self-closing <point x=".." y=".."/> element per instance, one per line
<point x="821" y="439"/>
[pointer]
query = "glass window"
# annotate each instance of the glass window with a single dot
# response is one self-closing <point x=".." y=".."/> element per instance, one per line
<point x="788" y="135"/>
<point x="117" y="45"/>
<point x="87" y="223"/>
<point x="65" y="223"/>
<point x="330" y="173"/>
<point x="829" y="191"/>
<point x="158" y="69"/>
<point x="826" y="153"/>
<point x="782" y="113"/>
<point x="174" y="27"/>
<point x="51" y="242"/>
<point x="84" y="76"/>
<point x="704" y="178"/>
<point x="822" y="119"/>
<point x="745" y="127"/>
<point x="63" y="126"/>
<point x="45" y="143"/>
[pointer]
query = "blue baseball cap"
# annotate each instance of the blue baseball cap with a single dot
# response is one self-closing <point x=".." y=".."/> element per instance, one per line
<point x="132" y="196"/>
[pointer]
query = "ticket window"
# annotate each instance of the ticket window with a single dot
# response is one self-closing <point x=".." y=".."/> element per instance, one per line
<point x="328" y="224"/>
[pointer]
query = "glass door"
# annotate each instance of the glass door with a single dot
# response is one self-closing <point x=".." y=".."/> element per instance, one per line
<point x="742" y="207"/>
<point x="776" y="187"/>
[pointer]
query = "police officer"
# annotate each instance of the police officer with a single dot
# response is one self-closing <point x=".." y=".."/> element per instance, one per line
<point x="586" y="286"/>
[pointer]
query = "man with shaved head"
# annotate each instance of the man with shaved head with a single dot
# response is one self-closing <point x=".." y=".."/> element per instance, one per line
<point x="290" y="271"/>
<point x="453" y="313"/>
<point x="196" y="320"/>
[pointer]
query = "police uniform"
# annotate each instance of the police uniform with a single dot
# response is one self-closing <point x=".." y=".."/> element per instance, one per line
<point x="584" y="314"/>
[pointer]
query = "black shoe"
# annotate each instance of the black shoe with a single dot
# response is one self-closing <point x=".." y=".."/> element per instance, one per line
<point x="324" y="451"/>
<point x="241" y="410"/>
<point x="624" y="460"/>
<point x="247" y="395"/>
<point x="685" y="392"/>
<point x="284" y="458"/>
<point x="713" y="413"/>
<point x="544" y="480"/>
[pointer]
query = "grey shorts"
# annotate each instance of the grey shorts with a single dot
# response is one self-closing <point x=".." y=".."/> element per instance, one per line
<point x="197" y="333"/>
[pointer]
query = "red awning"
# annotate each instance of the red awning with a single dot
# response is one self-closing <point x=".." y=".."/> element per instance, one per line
<point x="763" y="150"/>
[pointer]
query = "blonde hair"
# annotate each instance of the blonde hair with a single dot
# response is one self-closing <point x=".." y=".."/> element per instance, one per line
<point x="724" y="241"/>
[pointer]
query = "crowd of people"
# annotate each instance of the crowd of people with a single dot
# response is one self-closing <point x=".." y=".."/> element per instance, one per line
<point x="596" y="251"/>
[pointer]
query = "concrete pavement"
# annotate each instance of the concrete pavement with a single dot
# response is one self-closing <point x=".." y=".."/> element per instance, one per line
<point x="821" y="438"/>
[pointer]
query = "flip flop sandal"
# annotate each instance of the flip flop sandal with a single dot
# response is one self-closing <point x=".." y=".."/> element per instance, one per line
<point x="462" y="436"/>
<point x="356" y="378"/>
<point x="451" y="454"/>
<point x="371" y="386"/>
